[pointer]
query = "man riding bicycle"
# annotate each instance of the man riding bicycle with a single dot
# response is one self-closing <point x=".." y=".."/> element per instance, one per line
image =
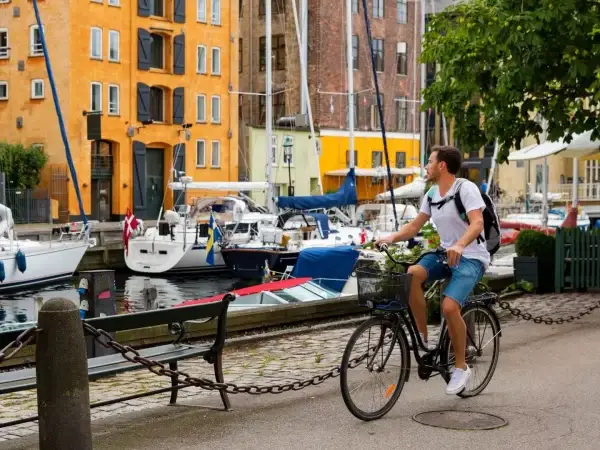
<point x="463" y="241"/>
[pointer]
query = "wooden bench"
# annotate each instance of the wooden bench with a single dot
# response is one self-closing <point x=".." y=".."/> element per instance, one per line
<point x="103" y="366"/>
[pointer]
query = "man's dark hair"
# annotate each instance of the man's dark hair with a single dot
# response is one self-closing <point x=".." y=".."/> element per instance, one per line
<point x="450" y="155"/>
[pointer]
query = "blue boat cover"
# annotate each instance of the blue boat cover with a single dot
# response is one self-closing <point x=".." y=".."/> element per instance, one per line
<point x="322" y="223"/>
<point x="332" y="264"/>
<point x="346" y="195"/>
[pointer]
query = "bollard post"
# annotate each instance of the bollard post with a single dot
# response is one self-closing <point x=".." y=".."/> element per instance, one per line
<point x="62" y="378"/>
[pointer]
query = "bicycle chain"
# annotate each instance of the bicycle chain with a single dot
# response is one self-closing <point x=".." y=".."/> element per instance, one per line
<point x="546" y="320"/>
<point x="25" y="338"/>
<point x="204" y="383"/>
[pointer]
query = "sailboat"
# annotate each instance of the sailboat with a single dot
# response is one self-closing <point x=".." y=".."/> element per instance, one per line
<point x="25" y="263"/>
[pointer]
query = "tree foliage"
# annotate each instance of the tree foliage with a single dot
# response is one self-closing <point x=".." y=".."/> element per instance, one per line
<point x="504" y="61"/>
<point x="22" y="165"/>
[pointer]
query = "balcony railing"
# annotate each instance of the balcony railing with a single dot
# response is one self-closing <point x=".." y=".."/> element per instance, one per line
<point x="585" y="191"/>
<point x="102" y="165"/>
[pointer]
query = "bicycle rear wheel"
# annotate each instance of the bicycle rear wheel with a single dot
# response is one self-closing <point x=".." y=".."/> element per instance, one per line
<point x="483" y="348"/>
<point x="370" y="347"/>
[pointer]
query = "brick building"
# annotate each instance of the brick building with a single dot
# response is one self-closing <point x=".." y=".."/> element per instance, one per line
<point x="394" y="28"/>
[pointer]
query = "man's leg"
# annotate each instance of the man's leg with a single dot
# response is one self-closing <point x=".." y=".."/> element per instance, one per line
<point x="464" y="278"/>
<point x="428" y="268"/>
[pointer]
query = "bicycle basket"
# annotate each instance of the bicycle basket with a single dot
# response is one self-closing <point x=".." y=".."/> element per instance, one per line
<point x="382" y="290"/>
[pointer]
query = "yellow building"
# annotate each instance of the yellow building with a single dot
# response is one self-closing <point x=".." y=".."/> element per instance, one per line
<point x="129" y="75"/>
<point x="403" y="150"/>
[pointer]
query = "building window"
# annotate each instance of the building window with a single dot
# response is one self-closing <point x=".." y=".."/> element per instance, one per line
<point x="114" y="53"/>
<point x="278" y="52"/>
<point x="201" y="11"/>
<point x="215" y="154"/>
<point x="114" y="3"/>
<point x="113" y="100"/>
<point x="274" y="150"/>
<point x="157" y="7"/>
<point x="4" y="48"/>
<point x="35" y="41"/>
<point x="201" y="108"/>
<point x="215" y="109"/>
<point x="157" y="101"/>
<point x="216" y="61"/>
<point x="216" y="12"/>
<point x="402" y="113"/>
<point x="354" y="6"/>
<point x="96" y="43"/>
<point x="402" y="15"/>
<point x="157" y="51"/>
<point x="241" y="56"/>
<point x="378" y="8"/>
<point x="355" y="52"/>
<point x="401" y="59"/>
<point x="278" y="107"/>
<point x="200" y="153"/>
<point x="378" y="51"/>
<point x="377" y="159"/>
<point x="375" y="120"/>
<point x="400" y="160"/>
<point x="96" y="97"/>
<point x="201" y="59"/>
<point x="348" y="158"/>
<point x="3" y="90"/>
<point x="37" y="89"/>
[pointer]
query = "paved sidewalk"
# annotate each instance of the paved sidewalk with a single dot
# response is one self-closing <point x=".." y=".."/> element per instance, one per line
<point x="281" y="360"/>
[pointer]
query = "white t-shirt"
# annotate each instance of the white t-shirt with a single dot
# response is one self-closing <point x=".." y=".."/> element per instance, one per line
<point x="449" y="224"/>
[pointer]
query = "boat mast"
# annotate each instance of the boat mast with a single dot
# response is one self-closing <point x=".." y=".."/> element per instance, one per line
<point x="269" y="107"/>
<point x="350" y="87"/>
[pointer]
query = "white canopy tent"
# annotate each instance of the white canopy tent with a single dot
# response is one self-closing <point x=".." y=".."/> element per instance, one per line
<point x="580" y="146"/>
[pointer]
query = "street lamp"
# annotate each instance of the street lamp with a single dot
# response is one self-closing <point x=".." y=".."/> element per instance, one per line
<point x="287" y="157"/>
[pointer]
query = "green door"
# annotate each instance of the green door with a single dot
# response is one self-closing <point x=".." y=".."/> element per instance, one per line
<point x="155" y="174"/>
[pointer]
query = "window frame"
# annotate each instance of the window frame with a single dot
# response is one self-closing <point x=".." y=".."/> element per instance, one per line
<point x="215" y="17"/>
<point x="33" y="52"/>
<point x="118" y="102"/>
<point x="198" y="70"/>
<point x="212" y="117"/>
<point x="5" y="52"/>
<point x="118" y="34"/>
<point x="92" y="84"/>
<point x="212" y="60"/>
<point x="92" y="30"/>
<point x="198" y="11"/>
<point x="198" y="119"/>
<point x="203" y="141"/>
<point x="33" y="83"/>
<point x="5" y="84"/>
<point x="212" y="148"/>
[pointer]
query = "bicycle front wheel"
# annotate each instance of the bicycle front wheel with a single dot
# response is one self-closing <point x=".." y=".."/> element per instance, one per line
<point x="384" y="365"/>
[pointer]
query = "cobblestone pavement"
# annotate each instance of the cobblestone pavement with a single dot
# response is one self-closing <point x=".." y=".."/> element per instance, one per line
<point x="285" y="359"/>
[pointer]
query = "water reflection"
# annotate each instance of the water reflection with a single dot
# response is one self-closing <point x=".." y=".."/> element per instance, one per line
<point x="16" y="310"/>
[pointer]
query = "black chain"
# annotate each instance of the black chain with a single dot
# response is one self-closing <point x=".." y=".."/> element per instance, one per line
<point x="547" y="320"/>
<point x="25" y="338"/>
<point x="160" y="369"/>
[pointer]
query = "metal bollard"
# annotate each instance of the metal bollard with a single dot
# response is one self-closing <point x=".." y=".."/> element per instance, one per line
<point x="62" y="379"/>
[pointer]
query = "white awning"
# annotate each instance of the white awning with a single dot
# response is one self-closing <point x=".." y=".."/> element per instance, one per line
<point x="581" y="145"/>
<point x="378" y="172"/>
<point x="221" y="185"/>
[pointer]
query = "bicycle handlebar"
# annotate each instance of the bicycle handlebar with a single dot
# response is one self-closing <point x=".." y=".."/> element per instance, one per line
<point x="384" y="247"/>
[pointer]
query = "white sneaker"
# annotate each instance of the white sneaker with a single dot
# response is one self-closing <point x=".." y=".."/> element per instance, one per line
<point x="458" y="381"/>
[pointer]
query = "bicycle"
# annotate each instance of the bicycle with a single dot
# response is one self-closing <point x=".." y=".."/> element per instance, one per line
<point x="387" y="294"/>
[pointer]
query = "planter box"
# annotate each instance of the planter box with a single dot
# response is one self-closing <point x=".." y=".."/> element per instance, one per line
<point x="539" y="273"/>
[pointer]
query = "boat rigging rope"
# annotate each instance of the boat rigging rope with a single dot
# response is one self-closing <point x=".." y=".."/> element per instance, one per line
<point x="380" y="110"/>
<point x="61" y="123"/>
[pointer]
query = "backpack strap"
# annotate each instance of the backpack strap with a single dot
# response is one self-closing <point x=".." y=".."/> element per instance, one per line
<point x="462" y="212"/>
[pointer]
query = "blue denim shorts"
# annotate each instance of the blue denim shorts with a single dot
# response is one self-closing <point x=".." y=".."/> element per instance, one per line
<point x="463" y="279"/>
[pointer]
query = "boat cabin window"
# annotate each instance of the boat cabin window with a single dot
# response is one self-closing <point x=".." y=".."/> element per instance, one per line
<point x="237" y="227"/>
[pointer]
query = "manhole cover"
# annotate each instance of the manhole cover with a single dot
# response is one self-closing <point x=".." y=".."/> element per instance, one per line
<point x="460" y="420"/>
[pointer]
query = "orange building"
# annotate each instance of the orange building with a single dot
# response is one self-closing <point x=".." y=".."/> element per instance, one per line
<point x="138" y="81"/>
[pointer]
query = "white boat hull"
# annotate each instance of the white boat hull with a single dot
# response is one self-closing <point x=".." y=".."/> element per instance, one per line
<point x="161" y="256"/>
<point x="45" y="263"/>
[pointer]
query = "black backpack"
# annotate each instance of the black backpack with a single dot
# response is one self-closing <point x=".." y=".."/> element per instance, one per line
<point x="491" y="224"/>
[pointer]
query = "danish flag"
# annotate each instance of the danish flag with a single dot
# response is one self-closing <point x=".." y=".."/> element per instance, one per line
<point x="130" y="224"/>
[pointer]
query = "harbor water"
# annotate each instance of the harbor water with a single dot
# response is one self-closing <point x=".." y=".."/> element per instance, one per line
<point x="22" y="306"/>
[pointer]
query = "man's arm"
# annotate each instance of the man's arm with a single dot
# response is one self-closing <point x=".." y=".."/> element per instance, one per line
<point x="410" y="229"/>
<point x="474" y="230"/>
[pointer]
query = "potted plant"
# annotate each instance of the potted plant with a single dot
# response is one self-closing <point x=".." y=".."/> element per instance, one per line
<point x="534" y="262"/>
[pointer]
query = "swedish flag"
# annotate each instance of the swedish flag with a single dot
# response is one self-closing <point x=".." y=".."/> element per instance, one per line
<point x="214" y="235"/>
